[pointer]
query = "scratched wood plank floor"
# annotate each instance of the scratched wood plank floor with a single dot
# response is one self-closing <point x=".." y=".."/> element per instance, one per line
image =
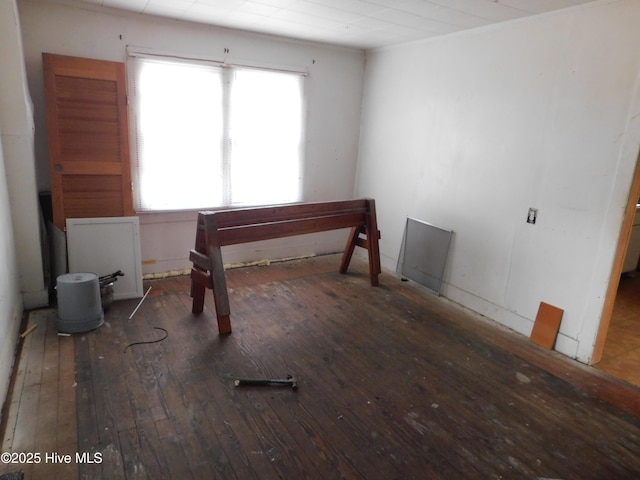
<point x="393" y="383"/>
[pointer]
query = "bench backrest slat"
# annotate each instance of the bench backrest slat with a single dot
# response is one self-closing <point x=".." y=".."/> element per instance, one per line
<point x="278" y="213"/>
<point x="287" y="228"/>
<point x="231" y="227"/>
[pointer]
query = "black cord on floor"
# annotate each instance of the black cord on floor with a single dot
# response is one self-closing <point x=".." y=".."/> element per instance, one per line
<point x="166" y="334"/>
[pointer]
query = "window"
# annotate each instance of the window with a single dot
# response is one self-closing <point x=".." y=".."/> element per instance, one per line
<point x="215" y="136"/>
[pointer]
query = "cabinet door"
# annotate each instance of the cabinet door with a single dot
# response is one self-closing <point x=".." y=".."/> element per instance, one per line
<point x="86" y="106"/>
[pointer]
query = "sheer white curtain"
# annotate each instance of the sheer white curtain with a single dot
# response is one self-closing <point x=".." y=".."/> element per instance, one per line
<point x="208" y="136"/>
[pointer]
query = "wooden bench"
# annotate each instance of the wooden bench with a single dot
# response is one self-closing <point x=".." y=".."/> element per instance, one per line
<point x="229" y="227"/>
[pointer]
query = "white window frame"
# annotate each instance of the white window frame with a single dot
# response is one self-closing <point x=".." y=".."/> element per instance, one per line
<point x="228" y="68"/>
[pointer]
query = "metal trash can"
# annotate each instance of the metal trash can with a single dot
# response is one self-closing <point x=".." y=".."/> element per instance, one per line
<point x="79" y="302"/>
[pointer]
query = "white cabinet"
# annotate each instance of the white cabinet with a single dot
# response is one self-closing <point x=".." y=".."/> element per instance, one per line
<point x="105" y="245"/>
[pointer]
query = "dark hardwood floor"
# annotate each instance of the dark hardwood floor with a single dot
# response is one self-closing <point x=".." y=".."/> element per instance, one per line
<point x="393" y="383"/>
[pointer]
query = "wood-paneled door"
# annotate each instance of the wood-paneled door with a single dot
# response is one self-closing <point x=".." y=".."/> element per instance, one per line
<point x="88" y="128"/>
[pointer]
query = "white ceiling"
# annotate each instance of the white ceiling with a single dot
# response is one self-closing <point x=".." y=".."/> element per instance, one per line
<point x="356" y="23"/>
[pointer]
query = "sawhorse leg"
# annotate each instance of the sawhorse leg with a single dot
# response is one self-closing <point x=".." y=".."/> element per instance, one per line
<point x="199" y="282"/>
<point x="371" y="244"/>
<point x="349" y="248"/>
<point x="219" y="287"/>
<point x="198" y="290"/>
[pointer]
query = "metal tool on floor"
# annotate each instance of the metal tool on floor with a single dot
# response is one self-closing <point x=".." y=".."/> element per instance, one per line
<point x="268" y="382"/>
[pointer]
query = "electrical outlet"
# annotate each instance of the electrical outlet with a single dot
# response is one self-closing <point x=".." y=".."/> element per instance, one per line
<point x="532" y="215"/>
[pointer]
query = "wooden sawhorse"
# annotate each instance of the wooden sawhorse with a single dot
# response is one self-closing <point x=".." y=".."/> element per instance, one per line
<point x="229" y="227"/>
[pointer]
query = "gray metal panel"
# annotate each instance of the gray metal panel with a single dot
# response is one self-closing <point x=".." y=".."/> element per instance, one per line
<point x="423" y="254"/>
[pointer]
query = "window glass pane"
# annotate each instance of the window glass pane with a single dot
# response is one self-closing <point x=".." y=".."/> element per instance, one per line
<point x="210" y="137"/>
<point x="179" y="135"/>
<point x="265" y="137"/>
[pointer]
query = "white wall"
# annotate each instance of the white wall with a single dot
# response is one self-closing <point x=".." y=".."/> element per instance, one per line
<point x="16" y="121"/>
<point x="470" y="130"/>
<point x="334" y="89"/>
<point x="11" y="303"/>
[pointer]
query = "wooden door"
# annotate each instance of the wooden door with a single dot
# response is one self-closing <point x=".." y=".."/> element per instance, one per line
<point x="86" y="106"/>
